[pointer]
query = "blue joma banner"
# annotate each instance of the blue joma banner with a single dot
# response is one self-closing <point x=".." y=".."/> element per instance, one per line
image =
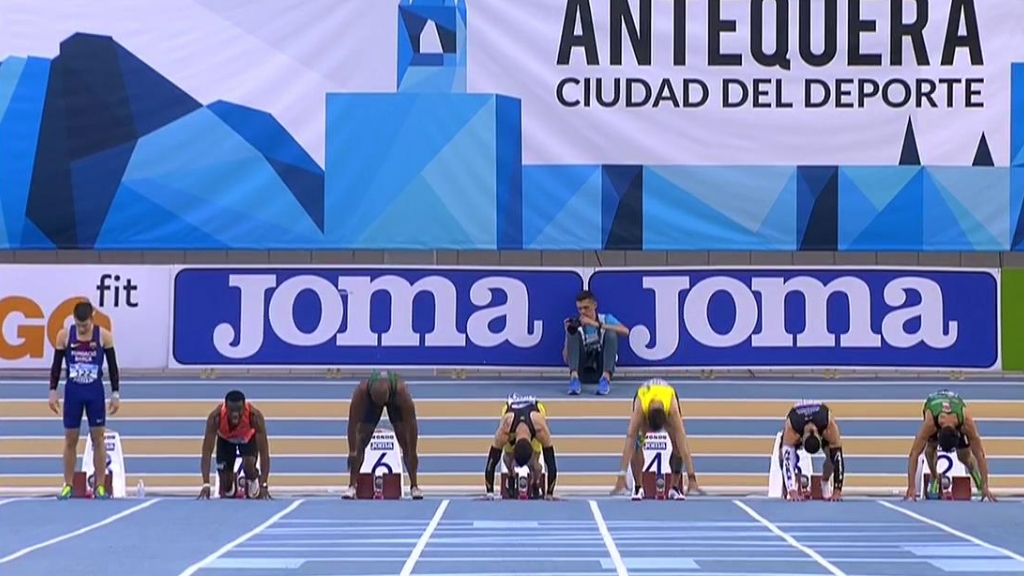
<point x="371" y="316"/>
<point x="773" y="318"/>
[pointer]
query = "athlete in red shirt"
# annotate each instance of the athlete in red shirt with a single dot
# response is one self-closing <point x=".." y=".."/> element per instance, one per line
<point x="240" y="430"/>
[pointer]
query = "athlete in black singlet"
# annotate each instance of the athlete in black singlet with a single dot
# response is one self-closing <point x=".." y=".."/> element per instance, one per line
<point x="811" y="426"/>
<point x="369" y="399"/>
<point x="522" y="435"/>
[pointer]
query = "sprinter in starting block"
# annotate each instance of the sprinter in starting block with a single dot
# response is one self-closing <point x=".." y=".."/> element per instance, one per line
<point x="369" y="399"/>
<point x="236" y="428"/>
<point x="656" y="407"/>
<point x="810" y="425"/>
<point x="523" y="435"/>
<point x="948" y="425"/>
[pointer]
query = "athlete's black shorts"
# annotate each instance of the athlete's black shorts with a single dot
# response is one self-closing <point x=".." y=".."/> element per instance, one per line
<point x="820" y="419"/>
<point x="374" y="412"/>
<point x="228" y="451"/>
<point x="523" y="415"/>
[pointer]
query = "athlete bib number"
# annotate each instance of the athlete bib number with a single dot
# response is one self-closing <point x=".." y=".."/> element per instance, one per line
<point x="83" y="373"/>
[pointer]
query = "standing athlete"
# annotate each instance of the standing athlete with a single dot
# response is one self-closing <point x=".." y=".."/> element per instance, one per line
<point x="523" y="435"/>
<point x="84" y="346"/>
<point x="240" y="430"/>
<point x="656" y="407"/>
<point x="382" y="390"/>
<point x="948" y="425"/>
<point x="810" y="425"/>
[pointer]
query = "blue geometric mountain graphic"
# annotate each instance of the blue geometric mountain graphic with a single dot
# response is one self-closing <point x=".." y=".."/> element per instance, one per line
<point x="100" y="150"/>
<point x="72" y="126"/>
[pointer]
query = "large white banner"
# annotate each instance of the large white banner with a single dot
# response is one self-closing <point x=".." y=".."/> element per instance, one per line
<point x="751" y="82"/>
<point x="36" y="301"/>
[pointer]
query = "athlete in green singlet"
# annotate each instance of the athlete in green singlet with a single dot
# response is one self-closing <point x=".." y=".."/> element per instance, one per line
<point x="948" y="425"/>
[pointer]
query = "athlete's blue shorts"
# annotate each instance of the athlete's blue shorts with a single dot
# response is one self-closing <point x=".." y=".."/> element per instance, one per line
<point x="87" y="398"/>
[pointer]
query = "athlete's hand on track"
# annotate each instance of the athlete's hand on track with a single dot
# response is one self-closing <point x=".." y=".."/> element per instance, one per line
<point x="911" y="493"/>
<point x="115" y="403"/>
<point x="692" y="486"/>
<point x="204" y="494"/>
<point x="620" y="486"/>
<point x="986" y="493"/>
<point x="54" y="402"/>
<point x="264" y="493"/>
<point x="552" y="497"/>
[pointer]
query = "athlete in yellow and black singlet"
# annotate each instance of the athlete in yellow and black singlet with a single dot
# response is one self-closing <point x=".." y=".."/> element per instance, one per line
<point x="655" y="407"/>
<point x="523" y="435"/>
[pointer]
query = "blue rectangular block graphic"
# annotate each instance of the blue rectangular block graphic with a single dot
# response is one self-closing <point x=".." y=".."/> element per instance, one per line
<point x="653" y="564"/>
<point x="980" y="565"/>
<point x="947" y="551"/>
<point x="450" y="163"/>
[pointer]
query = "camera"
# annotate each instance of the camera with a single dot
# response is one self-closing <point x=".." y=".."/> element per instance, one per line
<point x="572" y="325"/>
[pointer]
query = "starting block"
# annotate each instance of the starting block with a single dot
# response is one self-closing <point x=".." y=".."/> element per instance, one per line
<point x="379" y="487"/>
<point x="652" y="489"/>
<point x="955" y="483"/>
<point x="83" y="485"/>
<point x="776" y="479"/>
<point x="243" y="488"/>
<point x="116" y="478"/>
<point x="529" y="480"/>
<point x="383" y="458"/>
<point x="950" y="488"/>
<point x="812" y="488"/>
<point x="657" y="450"/>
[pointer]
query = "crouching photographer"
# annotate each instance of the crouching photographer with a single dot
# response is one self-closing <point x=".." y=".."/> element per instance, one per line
<point x="591" y="345"/>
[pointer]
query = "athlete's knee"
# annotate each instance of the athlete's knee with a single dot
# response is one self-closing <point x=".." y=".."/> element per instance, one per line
<point x="356" y="456"/>
<point x="406" y="437"/>
<point x="675" y="463"/>
<point x="71" y="437"/>
<point x="249" y="464"/>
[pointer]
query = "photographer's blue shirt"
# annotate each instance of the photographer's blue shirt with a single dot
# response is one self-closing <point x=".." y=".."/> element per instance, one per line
<point x="591" y="335"/>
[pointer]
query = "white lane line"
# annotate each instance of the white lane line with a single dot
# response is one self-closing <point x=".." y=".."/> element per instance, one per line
<point x="609" y="543"/>
<point x="792" y="541"/>
<point x="414" y="556"/>
<point x="78" y="532"/>
<point x="953" y="531"/>
<point x="240" y="540"/>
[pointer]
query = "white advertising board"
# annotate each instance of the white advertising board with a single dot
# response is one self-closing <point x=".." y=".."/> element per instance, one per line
<point x="37" y="300"/>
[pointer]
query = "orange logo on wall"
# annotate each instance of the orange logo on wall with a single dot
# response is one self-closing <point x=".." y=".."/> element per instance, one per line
<point x="33" y="327"/>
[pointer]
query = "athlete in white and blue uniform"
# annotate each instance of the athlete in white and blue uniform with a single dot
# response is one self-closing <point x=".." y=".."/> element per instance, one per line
<point x="84" y="346"/>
